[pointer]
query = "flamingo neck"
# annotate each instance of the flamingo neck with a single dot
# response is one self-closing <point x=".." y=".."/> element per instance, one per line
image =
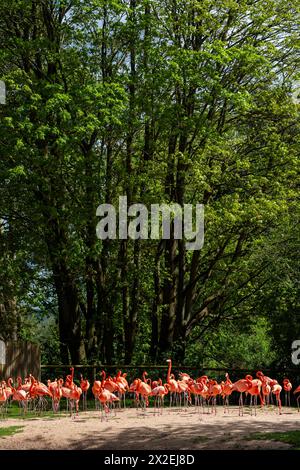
<point x="169" y="370"/>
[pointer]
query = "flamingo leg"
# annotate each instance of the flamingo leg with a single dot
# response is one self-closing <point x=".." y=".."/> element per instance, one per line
<point x="251" y="411"/>
<point x="241" y="410"/>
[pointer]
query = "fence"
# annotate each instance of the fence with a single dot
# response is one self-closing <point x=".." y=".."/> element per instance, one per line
<point x="19" y="359"/>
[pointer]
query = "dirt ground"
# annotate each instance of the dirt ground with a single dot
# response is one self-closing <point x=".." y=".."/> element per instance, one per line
<point x="132" y="429"/>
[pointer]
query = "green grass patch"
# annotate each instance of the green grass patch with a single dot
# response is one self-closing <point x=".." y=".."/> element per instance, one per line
<point x="199" y="439"/>
<point x="10" y="430"/>
<point x="289" y="437"/>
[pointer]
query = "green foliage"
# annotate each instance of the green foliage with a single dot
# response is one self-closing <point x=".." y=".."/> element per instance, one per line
<point x="234" y="345"/>
<point x="289" y="437"/>
<point x="10" y="430"/>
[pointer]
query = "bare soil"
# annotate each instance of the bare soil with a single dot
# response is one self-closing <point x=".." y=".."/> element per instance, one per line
<point x="175" y="429"/>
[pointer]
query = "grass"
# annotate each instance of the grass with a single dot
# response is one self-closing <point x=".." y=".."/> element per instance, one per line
<point x="10" y="430"/>
<point x="289" y="437"/>
<point x="199" y="439"/>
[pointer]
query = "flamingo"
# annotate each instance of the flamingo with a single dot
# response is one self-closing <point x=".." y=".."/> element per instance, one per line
<point x="105" y="396"/>
<point x="287" y="386"/>
<point x="95" y="390"/>
<point x="184" y="377"/>
<point x="254" y="390"/>
<point x="226" y="391"/>
<point x="197" y="389"/>
<point x="56" y="392"/>
<point x="297" y="390"/>
<point x="276" y="390"/>
<point x="183" y="386"/>
<point x="76" y="393"/>
<point x="73" y="396"/>
<point x="173" y="385"/>
<point x="26" y="386"/>
<point x="39" y="390"/>
<point x="143" y="389"/>
<point x="84" y="385"/>
<point x="109" y="384"/>
<point x="266" y="390"/>
<point x="241" y="386"/>
<point x="214" y="389"/>
<point x="204" y="393"/>
<point x="3" y="396"/>
<point x="260" y="375"/>
<point x="69" y="379"/>
<point x="19" y="395"/>
<point x="159" y="393"/>
<point x="8" y="388"/>
<point x="123" y="384"/>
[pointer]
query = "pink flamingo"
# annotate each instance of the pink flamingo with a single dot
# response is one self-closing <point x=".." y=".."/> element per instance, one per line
<point x="3" y="397"/>
<point x="260" y="375"/>
<point x="297" y="390"/>
<point x="143" y="389"/>
<point x="214" y="389"/>
<point x="95" y="390"/>
<point x="123" y="384"/>
<point x="226" y="391"/>
<point x="287" y="386"/>
<point x="266" y="390"/>
<point x="105" y="397"/>
<point x="173" y="385"/>
<point x="276" y="390"/>
<point x="84" y="385"/>
<point x="254" y="390"/>
<point x="19" y="395"/>
<point x="241" y="386"/>
<point x="197" y="389"/>
<point x="159" y="393"/>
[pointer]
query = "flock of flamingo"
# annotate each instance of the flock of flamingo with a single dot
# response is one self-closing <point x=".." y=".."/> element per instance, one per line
<point x="112" y="390"/>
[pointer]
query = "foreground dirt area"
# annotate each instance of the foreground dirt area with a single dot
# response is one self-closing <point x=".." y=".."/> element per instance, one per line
<point x="131" y="429"/>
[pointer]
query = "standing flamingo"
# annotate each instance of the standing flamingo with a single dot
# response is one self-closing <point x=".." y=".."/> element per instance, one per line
<point x="143" y="389"/>
<point x="241" y="386"/>
<point x="276" y="390"/>
<point x="122" y="382"/>
<point x="39" y="391"/>
<point x="3" y="397"/>
<point x="105" y="397"/>
<point x="159" y="393"/>
<point x="95" y="390"/>
<point x="297" y="390"/>
<point x="214" y="389"/>
<point x="57" y="394"/>
<point x="266" y="390"/>
<point x="84" y="385"/>
<point x="226" y="391"/>
<point x="287" y="386"/>
<point x="173" y="385"/>
<point x="197" y="389"/>
<point x="19" y="395"/>
<point x="254" y="390"/>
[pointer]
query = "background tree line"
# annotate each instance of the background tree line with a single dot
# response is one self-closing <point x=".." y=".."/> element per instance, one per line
<point x="161" y="101"/>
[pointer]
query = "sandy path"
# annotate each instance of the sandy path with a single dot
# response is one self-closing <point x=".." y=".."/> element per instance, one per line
<point x="129" y="429"/>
